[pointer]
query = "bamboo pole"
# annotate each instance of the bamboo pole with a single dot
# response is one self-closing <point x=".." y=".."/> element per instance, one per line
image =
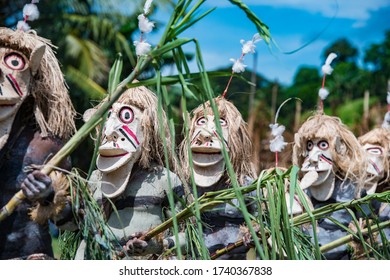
<point x="78" y="137"/>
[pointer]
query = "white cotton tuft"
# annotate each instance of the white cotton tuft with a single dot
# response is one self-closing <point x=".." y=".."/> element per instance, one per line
<point x="142" y="48"/>
<point x="326" y="68"/>
<point x="238" y="65"/>
<point x="323" y="93"/>
<point x="22" y="25"/>
<point x="144" y="24"/>
<point x="147" y="6"/>
<point x="277" y="144"/>
<point x="249" y="46"/>
<point x="31" y="12"/>
<point x="277" y="130"/>
<point x="386" y="121"/>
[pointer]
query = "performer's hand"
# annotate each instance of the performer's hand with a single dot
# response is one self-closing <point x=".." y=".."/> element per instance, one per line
<point x="37" y="186"/>
<point x="136" y="246"/>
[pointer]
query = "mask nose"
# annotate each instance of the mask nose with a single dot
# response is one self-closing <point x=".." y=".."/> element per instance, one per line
<point x="204" y="137"/>
<point x="111" y="130"/>
<point x="112" y="136"/>
<point x="314" y="156"/>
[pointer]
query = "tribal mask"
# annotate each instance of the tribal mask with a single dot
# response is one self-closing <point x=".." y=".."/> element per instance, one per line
<point x="375" y="159"/>
<point x="319" y="159"/>
<point x="121" y="147"/>
<point x="16" y="73"/>
<point x="206" y="147"/>
<point x="122" y="138"/>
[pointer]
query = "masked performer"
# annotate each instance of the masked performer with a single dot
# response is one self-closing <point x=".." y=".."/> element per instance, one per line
<point x="131" y="173"/>
<point x="222" y="223"/>
<point x="36" y="115"/>
<point x="326" y="150"/>
<point x="376" y="144"/>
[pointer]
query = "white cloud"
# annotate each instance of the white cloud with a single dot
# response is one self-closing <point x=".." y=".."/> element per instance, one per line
<point x="352" y="9"/>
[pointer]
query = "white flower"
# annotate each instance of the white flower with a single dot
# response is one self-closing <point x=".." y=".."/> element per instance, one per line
<point x="238" y="65"/>
<point x="323" y="93"/>
<point x="326" y="68"/>
<point x="147" y="6"/>
<point x="22" y="25"/>
<point x="31" y="12"/>
<point x="142" y="48"/>
<point x="144" y="24"/>
<point x="249" y="46"/>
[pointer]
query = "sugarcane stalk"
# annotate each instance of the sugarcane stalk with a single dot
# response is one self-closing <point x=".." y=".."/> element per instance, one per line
<point x="330" y="208"/>
<point x="343" y="240"/>
<point x="79" y="136"/>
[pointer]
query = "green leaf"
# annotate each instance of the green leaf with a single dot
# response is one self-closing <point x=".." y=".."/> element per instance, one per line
<point x="115" y="73"/>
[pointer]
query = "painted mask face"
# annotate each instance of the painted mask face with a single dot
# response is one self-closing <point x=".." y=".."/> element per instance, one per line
<point x="319" y="159"/>
<point x="15" y="77"/>
<point x="122" y="138"/>
<point x="206" y="147"/>
<point x="375" y="159"/>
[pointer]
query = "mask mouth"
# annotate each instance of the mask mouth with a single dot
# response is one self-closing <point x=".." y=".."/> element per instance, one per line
<point x="8" y="102"/>
<point x="112" y="153"/>
<point x="206" y="156"/>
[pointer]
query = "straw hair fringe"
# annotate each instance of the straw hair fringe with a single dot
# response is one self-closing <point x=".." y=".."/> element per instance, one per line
<point x="349" y="164"/>
<point x="53" y="108"/>
<point x="239" y="143"/>
<point x="153" y="145"/>
<point x="380" y="137"/>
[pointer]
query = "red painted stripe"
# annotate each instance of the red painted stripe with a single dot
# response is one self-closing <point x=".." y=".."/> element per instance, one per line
<point x="128" y="130"/>
<point x="326" y="159"/>
<point x="15" y="83"/>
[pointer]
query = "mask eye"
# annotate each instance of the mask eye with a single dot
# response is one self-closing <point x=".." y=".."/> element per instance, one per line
<point x="223" y="122"/>
<point x="375" y="151"/>
<point x="323" y="145"/>
<point x="14" y="61"/>
<point x="309" y="145"/>
<point x="126" y="115"/>
<point x="201" y="121"/>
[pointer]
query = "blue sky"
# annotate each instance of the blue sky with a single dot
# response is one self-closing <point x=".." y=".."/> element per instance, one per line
<point x="292" y="23"/>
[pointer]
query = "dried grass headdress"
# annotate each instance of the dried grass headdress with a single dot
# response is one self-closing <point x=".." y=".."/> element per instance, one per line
<point x="53" y="108"/>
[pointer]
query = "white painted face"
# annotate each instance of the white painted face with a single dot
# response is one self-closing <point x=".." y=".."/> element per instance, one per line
<point x="206" y="147"/>
<point x="319" y="159"/>
<point x="375" y="159"/>
<point x="15" y="77"/>
<point x="122" y="138"/>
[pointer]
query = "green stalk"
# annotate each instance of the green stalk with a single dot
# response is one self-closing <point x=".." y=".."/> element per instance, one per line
<point x="351" y="237"/>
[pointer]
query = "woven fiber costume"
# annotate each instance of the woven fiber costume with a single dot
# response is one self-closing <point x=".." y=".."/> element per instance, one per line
<point x="221" y="223"/>
<point x="36" y="116"/>
<point x="131" y="173"/>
